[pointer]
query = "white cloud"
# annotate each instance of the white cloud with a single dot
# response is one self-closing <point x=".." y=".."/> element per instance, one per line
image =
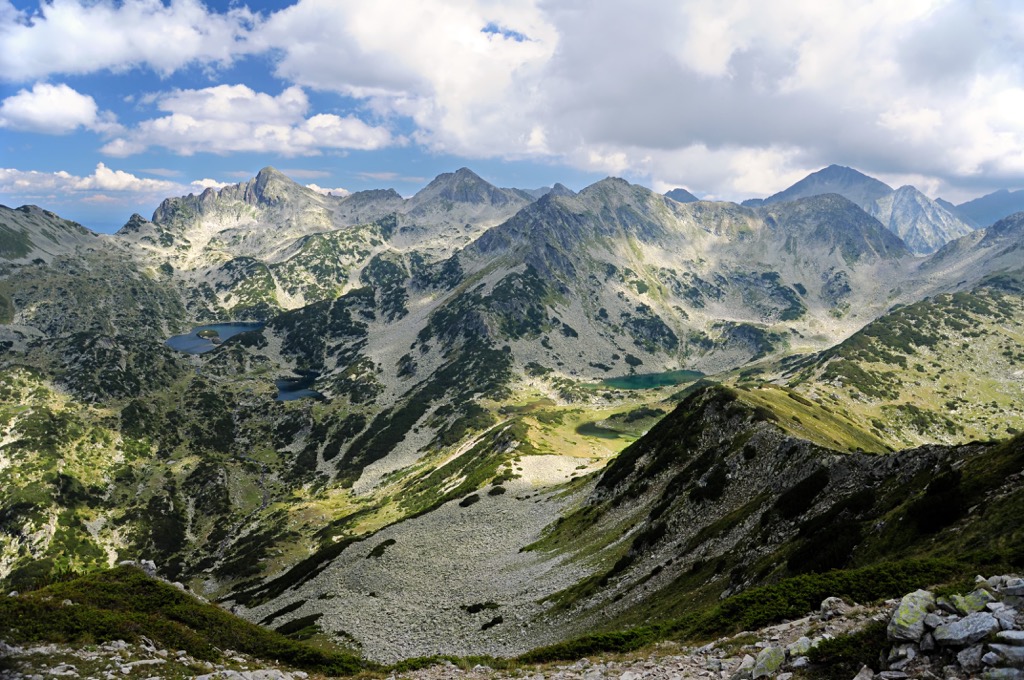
<point x="85" y="36"/>
<point x="322" y="190"/>
<point x="787" y="86"/>
<point x="30" y="184"/>
<point x="466" y="90"/>
<point x="729" y="97"/>
<point x="201" y="185"/>
<point x="235" y="118"/>
<point x="105" y="179"/>
<point x="51" y="109"/>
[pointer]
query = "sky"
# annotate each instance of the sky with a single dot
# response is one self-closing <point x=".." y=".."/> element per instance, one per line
<point x="107" y="107"/>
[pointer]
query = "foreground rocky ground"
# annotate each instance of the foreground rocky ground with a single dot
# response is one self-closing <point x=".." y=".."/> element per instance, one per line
<point x="978" y="634"/>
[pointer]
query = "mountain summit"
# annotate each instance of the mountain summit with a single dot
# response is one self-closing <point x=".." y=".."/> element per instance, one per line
<point x="465" y="186"/>
<point x="924" y="224"/>
<point x="863" y="190"/>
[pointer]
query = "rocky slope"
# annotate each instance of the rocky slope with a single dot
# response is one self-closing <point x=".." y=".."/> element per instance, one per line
<point x="923" y="224"/>
<point x="31" y="233"/>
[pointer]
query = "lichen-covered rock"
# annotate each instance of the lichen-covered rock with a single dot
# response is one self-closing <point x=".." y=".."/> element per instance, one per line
<point x="972" y="602"/>
<point x="966" y="631"/>
<point x="907" y="623"/>
<point x="799" y="648"/>
<point x="769" y="661"/>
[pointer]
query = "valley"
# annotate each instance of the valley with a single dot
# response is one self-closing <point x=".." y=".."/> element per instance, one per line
<point x="479" y="421"/>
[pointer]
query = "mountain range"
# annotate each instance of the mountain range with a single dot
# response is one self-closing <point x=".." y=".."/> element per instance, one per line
<point x="481" y="420"/>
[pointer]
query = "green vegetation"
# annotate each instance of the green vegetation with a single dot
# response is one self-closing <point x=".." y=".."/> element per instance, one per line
<point x="931" y="371"/>
<point x="14" y="244"/>
<point x="762" y="606"/>
<point x="847" y="654"/>
<point x="124" y="603"/>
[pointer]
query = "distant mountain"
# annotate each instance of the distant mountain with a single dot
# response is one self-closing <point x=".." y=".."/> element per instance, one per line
<point x="465" y="186"/>
<point x="271" y="243"/>
<point x="836" y="179"/>
<point x="990" y="208"/>
<point x="924" y="224"/>
<point x="681" y="196"/>
<point x="29" y="233"/>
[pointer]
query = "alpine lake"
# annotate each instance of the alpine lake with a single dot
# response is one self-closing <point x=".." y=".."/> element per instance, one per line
<point x="209" y="337"/>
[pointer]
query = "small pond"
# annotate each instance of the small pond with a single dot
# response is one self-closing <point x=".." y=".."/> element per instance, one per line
<point x="202" y="339"/>
<point x="592" y="429"/>
<point x="299" y="387"/>
<point x="646" y="381"/>
<point x="205" y="338"/>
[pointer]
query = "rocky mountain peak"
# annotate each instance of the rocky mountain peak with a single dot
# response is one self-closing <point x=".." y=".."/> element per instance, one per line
<point x="134" y="224"/>
<point x="922" y="223"/>
<point x="271" y="187"/>
<point x="31" y="232"/>
<point x="681" y="196"/>
<point x="836" y="222"/>
<point x="836" y="179"/>
<point x="464" y="186"/>
<point x="1011" y="227"/>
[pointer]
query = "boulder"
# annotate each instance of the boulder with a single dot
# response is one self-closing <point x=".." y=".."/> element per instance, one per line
<point x="865" y="674"/>
<point x="974" y="601"/>
<point x="907" y="623"/>
<point x="833" y="607"/>
<point x="1011" y="637"/>
<point x="901" y="655"/>
<point x="966" y="631"/>
<point x="1013" y="586"/>
<point x="970" y="658"/>
<point x="1012" y="655"/>
<point x="798" y="648"/>
<point x="1007" y="618"/>
<point x="769" y="661"/>
<point x="745" y="670"/>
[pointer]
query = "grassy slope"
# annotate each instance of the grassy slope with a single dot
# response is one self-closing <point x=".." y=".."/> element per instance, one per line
<point x="124" y="603"/>
<point x="947" y="369"/>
